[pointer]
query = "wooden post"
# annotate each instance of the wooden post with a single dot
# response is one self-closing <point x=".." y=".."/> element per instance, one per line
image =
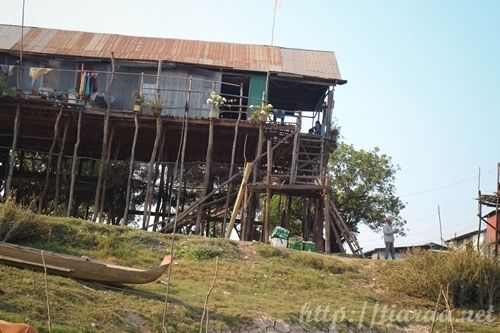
<point x="149" y="186"/>
<point x="260" y="143"/>
<point x="59" y="167"/>
<point x="318" y="227"/>
<point x="106" y="172"/>
<point x="267" y="202"/>
<point x="49" y="162"/>
<point x="295" y="153"/>
<point x="73" y="163"/>
<point x="181" y="173"/>
<point x="104" y="146"/>
<point x="161" y="199"/>
<point x="327" y="224"/>
<point x="13" y="153"/>
<point x="233" y="153"/>
<point x="239" y="199"/>
<point x="206" y="180"/>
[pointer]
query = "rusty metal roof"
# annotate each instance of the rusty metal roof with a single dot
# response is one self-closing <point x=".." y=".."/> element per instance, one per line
<point x="260" y="58"/>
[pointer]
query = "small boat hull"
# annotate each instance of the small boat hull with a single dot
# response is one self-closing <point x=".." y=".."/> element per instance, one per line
<point x="75" y="267"/>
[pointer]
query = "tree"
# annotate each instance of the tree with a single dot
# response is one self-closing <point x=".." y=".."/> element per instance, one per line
<point x="363" y="187"/>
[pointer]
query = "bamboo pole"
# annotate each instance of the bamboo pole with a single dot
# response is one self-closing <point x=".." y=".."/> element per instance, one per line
<point x="73" y="163"/>
<point x="267" y="202"/>
<point x="233" y="154"/>
<point x="239" y="198"/>
<point x="60" y="159"/>
<point x="97" y="198"/>
<point x="49" y="162"/>
<point x="149" y="186"/>
<point x="13" y="153"/>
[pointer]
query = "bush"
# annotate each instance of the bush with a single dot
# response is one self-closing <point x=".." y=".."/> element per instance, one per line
<point x="473" y="279"/>
<point x="202" y="252"/>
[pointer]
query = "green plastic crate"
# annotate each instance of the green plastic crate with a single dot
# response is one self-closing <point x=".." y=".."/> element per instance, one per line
<point x="280" y="232"/>
<point x="309" y="246"/>
<point x="295" y="244"/>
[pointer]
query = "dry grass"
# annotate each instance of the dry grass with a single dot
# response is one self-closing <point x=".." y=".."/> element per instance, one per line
<point x="254" y="281"/>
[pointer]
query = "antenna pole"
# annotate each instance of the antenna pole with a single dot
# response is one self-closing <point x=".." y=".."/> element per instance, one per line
<point x="440" y="227"/>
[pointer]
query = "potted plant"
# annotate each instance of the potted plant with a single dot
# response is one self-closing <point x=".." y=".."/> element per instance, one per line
<point x="261" y="113"/>
<point x="215" y="100"/>
<point x="155" y="105"/>
<point x="138" y="100"/>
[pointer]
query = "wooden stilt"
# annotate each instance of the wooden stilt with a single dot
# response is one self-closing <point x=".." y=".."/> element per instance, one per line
<point x="13" y="153"/>
<point x="206" y="180"/>
<point x="181" y="172"/>
<point x="267" y="202"/>
<point x="161" y="199"/>
<point x="318" y="227"/>
<point x="131" y="169"/>
<point x="97" y="199"/>
<point x="59" y="169"/>
<point x="105" y="173"/>
<point x="73" y="163"/>
<point x="233" y="153"/>
<point x="49" y="162"/>
<point x="327" y="224"/>
<point x="239" y="198"/>
<point x="250" y="216"/>
<point x="149" y="186"/>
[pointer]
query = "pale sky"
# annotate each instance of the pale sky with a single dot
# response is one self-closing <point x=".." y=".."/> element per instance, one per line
<point x="423" y="80"/>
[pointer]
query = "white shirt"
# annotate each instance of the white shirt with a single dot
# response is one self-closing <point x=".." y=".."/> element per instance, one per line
<point x="388" y="233"/>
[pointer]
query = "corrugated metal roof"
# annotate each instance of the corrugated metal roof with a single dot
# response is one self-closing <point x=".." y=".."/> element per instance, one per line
<point x="261" y="58"/>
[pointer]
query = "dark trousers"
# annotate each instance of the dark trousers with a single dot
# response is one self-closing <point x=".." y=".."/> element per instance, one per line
<point x="389" y="248"/>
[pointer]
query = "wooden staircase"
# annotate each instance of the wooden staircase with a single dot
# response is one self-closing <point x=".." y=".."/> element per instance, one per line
<point x="309" y="159"/>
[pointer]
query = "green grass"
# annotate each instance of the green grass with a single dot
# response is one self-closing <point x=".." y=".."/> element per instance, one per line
<point x="254" y="281"/>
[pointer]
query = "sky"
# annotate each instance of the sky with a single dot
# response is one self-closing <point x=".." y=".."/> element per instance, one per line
<point x="423" y="80"/>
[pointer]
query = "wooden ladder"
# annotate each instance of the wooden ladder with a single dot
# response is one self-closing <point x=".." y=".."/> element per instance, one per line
<point x="338" y="225"/>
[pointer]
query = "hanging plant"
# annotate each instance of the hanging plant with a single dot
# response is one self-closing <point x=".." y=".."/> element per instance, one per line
<point x="155" y="105"/>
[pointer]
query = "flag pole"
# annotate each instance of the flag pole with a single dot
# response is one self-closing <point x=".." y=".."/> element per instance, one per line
<point x="274" y="21"/>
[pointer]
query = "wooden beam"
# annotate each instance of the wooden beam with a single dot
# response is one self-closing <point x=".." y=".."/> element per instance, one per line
<point x="239" y="198"/>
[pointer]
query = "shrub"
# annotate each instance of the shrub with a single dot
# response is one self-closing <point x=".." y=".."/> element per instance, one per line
<point x="202" y="251"/>
<point x="473" y="279"/>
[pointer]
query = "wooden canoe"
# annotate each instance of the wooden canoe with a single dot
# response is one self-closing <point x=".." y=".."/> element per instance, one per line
<point x="82" y="268"/>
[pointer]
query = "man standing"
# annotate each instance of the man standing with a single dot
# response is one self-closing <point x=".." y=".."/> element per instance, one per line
<point x="389" y="239"/>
